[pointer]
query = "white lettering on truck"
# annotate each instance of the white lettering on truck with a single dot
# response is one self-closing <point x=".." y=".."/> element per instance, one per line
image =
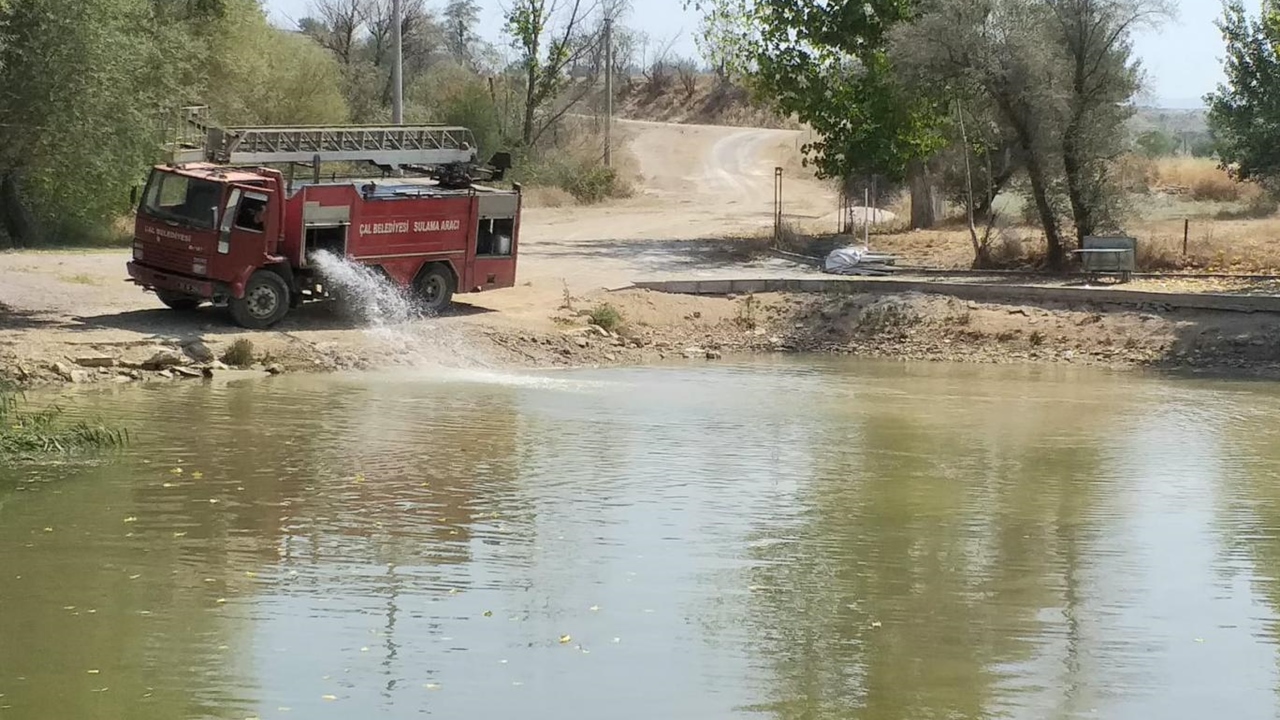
<point x="170" y="234"/>
<point x="404" y="227"/>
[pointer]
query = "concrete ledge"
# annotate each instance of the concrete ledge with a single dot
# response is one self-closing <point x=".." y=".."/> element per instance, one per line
<point x="970" y="291"/>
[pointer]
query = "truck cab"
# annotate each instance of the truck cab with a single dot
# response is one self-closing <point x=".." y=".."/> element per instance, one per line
<point x="201" y="233"/>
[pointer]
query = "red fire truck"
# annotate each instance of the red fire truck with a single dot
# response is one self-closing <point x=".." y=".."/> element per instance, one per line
<point x="225" y="223"/>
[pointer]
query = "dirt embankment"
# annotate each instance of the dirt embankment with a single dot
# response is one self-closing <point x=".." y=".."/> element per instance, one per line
<point x="68" y="317"/>
<point x="644" y="326"/>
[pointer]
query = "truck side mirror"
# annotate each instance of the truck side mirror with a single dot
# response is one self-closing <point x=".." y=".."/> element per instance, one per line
<point x="133" y="196"/>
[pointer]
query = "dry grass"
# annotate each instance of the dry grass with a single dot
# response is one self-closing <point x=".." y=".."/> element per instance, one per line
<point x="1213" y="245"/>
<point x="541" y="196"/>
<point x="1198" y="178"/>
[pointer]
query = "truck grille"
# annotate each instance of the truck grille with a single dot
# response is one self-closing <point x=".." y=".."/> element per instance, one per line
<point x="161" y="257"/>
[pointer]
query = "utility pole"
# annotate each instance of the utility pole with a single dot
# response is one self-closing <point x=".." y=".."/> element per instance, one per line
<point x="397" y="65"/>
<point x="608" y="92"/>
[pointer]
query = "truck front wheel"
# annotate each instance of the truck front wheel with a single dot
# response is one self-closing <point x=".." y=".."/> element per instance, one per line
<point x="435" y="287"/>
<point x="178" y="300"/>
<point x="265" y="301"/>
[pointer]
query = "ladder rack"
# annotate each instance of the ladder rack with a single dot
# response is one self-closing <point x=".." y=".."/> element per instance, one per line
<point x="391" y="146"/>
<point x="445" y="152"/>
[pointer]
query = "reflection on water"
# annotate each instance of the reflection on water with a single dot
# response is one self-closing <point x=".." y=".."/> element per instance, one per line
<point x="787" y="540"/>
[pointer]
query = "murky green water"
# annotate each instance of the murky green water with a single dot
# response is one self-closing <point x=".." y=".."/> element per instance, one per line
<point x="790" y="540"/>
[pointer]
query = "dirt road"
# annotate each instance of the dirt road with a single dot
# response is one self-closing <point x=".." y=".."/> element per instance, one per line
<point x="696" y="183"/>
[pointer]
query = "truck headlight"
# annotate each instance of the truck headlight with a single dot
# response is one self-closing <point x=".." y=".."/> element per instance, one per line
<point x="137" y="251"/>
<point x="199" y="266"/>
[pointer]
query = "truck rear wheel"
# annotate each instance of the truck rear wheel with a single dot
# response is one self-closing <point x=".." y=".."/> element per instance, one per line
<point x="265" y="301"/>
<point x="178" y="300"/>
<point x="435" y="288"/>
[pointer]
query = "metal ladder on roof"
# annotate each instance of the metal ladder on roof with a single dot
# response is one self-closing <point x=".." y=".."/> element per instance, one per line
<point x="192" y="138"/>
<point x="387" y="146"/>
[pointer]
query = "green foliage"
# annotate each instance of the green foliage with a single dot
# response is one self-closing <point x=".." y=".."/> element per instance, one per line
<point x="36" y="432"/>
<point x="1155" y="143"/>
<point x="606" y="317"/>
<point x="1243" y="110"/>
<point x="1204" y="146"/>
<point x="78" y="90"/>
<point x="453" y="95"/>
<point x="83" y="87"/>
<point x="828" y="65"/>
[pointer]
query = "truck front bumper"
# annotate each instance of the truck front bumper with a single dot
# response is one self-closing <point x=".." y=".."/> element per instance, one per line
<point x="151" y="279"/>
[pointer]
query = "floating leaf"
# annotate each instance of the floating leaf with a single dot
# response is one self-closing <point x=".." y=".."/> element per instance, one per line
<point x="182" y="533"/>
<point x="48" y="529"/>
<point x="176" y="471"/>
<point x="213" y="501"/>
<point x="131" y="519"/>
<point x="330" y="698"/>
<point x="221" y="601"/>
<point x="595" y="608"/>
<point x="359" y="478"/>
<point x="197" y="475"/>
<point x="135" y="576"/>
<point x="169" y="485"/>
<point x="432" y="686"/>
<point x="364" y="649"/>
<point x="566" y="639"/>
<point x="488" y="613"/>
<point x="94" y="672"/>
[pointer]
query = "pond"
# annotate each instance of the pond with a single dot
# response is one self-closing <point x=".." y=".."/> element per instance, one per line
<point x="796" y="538"/>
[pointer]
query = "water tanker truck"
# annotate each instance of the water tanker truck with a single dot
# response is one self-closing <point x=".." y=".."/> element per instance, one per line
<point x="227" y="221"/>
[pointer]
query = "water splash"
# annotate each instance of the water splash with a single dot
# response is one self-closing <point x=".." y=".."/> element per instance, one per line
<point x="393" y="318"/>
<point x="365" y="293"/>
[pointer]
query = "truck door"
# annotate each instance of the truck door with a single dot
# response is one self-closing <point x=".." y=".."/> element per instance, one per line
<point x="247" y="233"/>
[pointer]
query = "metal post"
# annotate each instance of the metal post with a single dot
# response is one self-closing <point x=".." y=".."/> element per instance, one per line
<point x="777" y="205"/>
<point x="397" y="65"/>
<point x="1186" y="231"/>
<point x="608" y="92"/>
<point x="866" y="217"/>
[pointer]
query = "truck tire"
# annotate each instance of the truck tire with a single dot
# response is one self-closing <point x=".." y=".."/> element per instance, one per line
<point x="178" y="300"/>
<point x="265" y="301"/>
<point x="435" y="288"/>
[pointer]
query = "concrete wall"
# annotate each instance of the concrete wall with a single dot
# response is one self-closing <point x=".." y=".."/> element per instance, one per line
<point x="1026" y="294"/>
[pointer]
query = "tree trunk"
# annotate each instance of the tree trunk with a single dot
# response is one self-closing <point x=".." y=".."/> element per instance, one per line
<point x="1074" y="166"/>
<point x="1039" y="180"/>
<point x="17" y="220"/>
<point x="530" y="107"/>
<point x="926" y="200"/>
<point x="1048" y="220"/>
<point x="982" y="205"/>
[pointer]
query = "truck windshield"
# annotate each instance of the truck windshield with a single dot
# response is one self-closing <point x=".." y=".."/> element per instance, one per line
<point x="188" y="200"/>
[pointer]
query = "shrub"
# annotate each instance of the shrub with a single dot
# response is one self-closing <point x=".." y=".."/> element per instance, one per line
<point x="240" y="354"/>
<point x="606" y="317"/>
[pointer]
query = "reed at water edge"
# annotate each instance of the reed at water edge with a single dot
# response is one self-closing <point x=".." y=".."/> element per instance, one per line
<point x="27" y="432"/>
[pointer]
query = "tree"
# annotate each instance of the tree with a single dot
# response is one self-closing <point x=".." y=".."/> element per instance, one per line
<point x="828" y="65"/>
<point x="78" y="90"/>
<point x="548" y="34"/>
<point x="1103" y="77"/>
<point x="460" y="20"/>
<point x="1059" y="76"/>
<point x="1243" y="110"/>
<point x="1156" y="143"/>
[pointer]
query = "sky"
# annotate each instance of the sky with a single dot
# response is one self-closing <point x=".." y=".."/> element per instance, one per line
<point x="1182" y="58"/>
